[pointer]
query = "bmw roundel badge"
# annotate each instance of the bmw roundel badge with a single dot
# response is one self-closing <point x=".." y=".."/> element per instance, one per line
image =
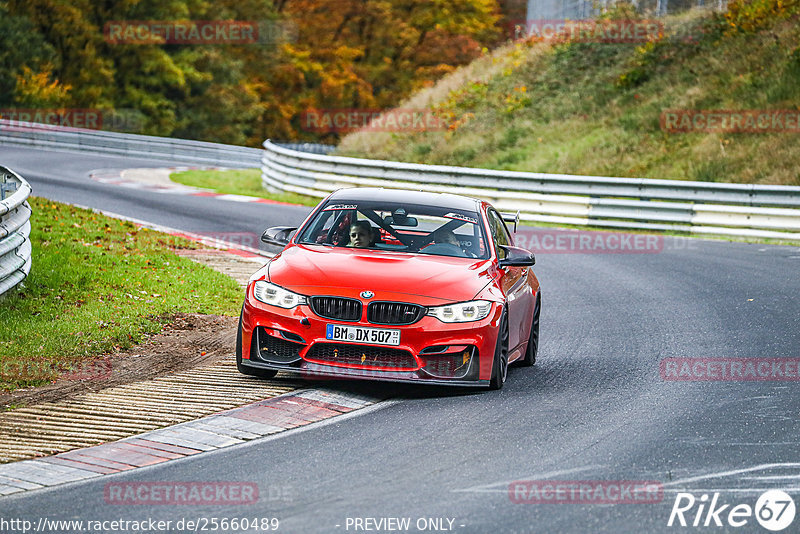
<point x="367" y="294"/>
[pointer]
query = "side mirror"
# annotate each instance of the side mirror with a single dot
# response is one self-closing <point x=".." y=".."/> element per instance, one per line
<point x="517" y="257"/>
<point x="278" y="235"/>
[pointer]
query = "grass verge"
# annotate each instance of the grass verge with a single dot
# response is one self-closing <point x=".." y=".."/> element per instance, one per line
<point x="238" y="182"/>
<point x="97" y="285"/>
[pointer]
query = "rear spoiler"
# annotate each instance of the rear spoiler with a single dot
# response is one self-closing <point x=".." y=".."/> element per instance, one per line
<point x="511" y="217"/>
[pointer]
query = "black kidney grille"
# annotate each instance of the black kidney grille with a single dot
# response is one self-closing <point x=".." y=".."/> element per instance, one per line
<point x="362" y="355"/>
<point x="339" y="308"/>
<point x="394" y="313"/>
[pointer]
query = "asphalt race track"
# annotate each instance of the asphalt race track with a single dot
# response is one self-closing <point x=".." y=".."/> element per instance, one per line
<point x="594" y="408"/>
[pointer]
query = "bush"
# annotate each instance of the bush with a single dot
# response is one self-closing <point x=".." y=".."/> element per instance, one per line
<point x="753" y="15"/>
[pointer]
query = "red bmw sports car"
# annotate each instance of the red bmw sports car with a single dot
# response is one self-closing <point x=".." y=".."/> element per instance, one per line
<point x="393" y="285"/>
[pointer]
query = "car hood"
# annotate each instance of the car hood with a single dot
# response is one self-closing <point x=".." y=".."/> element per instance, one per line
<point x="340" y="271"/>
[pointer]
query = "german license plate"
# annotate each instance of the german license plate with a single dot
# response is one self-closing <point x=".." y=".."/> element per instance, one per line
<point x="359" y="334"/>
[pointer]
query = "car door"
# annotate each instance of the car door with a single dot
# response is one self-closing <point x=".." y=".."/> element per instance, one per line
<point x="513" y="281"/>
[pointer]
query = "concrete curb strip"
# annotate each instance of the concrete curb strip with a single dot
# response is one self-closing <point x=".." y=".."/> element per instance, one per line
<point x="151" y="179"/>
<point x="224" y="429"/>
<point x="232" y="426"/>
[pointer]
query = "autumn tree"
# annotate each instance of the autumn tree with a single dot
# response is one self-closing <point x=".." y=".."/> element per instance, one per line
<point x="315" y="54"/>
<point x="372" y="53"/>
<point x="25" y="54"/>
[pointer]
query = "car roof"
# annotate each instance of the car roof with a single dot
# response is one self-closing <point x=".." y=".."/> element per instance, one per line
<point x="444" y="200"/>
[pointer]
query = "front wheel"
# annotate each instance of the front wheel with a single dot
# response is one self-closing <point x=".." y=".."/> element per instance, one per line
<point x="500" y="362"/>
<point x="260" y="373"/>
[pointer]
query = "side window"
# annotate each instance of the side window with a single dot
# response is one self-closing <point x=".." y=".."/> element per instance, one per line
<point x="499" y="233"/>
<point x="324" y="231"/>
<point x="330" y="227"/>
<point x="317" y="230"/>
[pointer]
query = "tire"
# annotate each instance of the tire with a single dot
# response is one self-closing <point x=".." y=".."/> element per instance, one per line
<point x="500" y="360"/>
<point x="533" y="341"/>
<point x="251" y="371"/>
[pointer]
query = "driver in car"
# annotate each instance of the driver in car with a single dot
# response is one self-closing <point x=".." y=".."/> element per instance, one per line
<point x="446" y="238"/>
<point x="442" y="236"/>
<point x="361" y="235"/>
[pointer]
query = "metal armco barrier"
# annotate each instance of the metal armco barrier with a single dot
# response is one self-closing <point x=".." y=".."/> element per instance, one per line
<point x="139" y="146"/>
<point x="633" y="203"/>
<point x="744" y="210"/>
<point x="15" y="230"/>
<point x="30" y="134"/>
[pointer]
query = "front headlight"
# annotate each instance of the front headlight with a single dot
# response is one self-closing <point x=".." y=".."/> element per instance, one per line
<point x="462" y="312"/>
<point x="277" y="296"/>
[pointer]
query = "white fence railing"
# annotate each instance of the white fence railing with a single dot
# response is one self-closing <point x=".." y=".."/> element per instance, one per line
<point x="633" y="203"/>
<point x="15" y="229"/>
<point x="29" y="134"/>
<point x="745" y="210"/>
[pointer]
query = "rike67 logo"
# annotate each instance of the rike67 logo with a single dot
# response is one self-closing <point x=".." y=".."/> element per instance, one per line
<point x="774" y="510"/>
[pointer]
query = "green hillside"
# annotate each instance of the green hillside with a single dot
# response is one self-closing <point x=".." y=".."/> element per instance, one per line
<point x="596" y="108"/>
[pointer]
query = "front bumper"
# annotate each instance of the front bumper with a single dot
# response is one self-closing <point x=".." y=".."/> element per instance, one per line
<point x="430" y="351"/>
<point x="323" y="372"/>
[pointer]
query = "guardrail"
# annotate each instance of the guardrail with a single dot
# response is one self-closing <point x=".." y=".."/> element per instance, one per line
<point x="141" y="146"/>
<point x="632" y="203"/>
<point x="15" y="229"/>
<point x="744" y="210"/>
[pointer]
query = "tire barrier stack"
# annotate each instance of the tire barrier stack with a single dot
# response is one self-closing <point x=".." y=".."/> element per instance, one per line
<point x="15" y="230"/>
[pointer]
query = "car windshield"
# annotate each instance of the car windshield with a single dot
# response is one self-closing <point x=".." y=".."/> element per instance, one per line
<point x="417" y="229"/>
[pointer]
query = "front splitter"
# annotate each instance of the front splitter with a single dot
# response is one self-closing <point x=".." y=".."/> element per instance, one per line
<point x="313" y="370"/>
